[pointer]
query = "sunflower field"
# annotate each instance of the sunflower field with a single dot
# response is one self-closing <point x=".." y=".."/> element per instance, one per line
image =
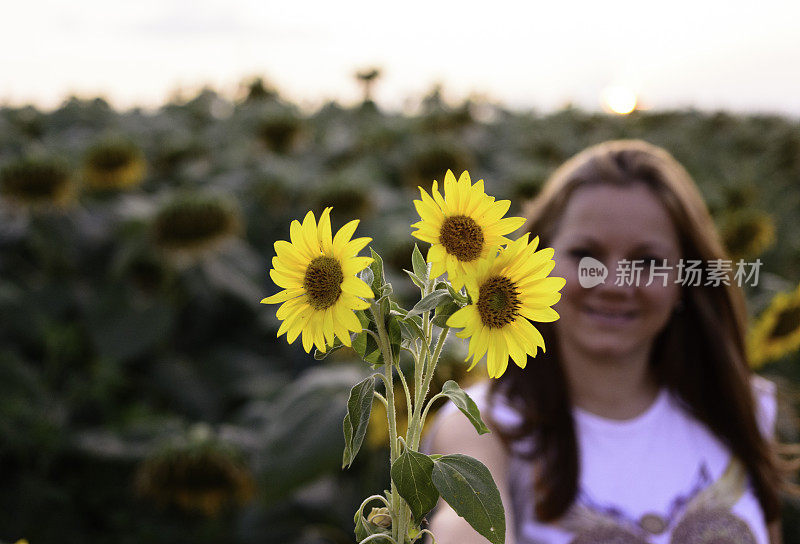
<point x="144" y="396"/>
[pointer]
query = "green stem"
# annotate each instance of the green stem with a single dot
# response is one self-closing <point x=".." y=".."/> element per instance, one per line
<point x="428" y="407"/>
<point x="398" y="528"/>
<point x="429" y="371"/>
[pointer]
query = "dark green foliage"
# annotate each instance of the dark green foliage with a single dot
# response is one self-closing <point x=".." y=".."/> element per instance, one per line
<point x="111" y="344"/>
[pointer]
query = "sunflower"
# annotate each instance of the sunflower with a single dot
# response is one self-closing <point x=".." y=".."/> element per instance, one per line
<point x="197" y="476"/>
<point x="115" y="164"/>
<point x="36" y="181"/>
<point x="748" y="233"/>
<point x="777" y="331"/>
<point x="194" y="223"/>
<point x="465" y="227"/>
<point x="318" y="274"/>
<point x="508" y="292"/>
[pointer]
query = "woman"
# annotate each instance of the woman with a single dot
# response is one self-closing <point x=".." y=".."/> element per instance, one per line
<point x="642" y="422"/>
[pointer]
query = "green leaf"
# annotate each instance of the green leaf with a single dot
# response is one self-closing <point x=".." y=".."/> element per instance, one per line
<point x="429" y="302"/>
<point x="396" y="308"/>
<point x="467" y="486"/>
<point x="464" y="403"/>
<point x="378" y="279"/>
<point x="444" y="311"/>
<point x="320" y="355"/>
<point x="359" y="406"/>
<point x="395" y="335"/>
<point x="419" y="265"/>
<point x="412" y="328"/>
<point x="417" y="281"/>
<point x="458" y="296"/>
<point x="367" y="276"/>
<point x="364" y="343"/>
<point x="411" y="473"/>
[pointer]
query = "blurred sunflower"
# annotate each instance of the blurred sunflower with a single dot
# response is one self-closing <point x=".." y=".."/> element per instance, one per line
<point x="34" y="181"/>
<point x="317" y="272"/>
<point x="464" y="228"/>
<point x="279" y="129"/>
<point x="195" y="223"/>
<point x="748" y="233"/>
<point x="508" y="292"/>
<point x="777" y="331"/>
<point x="114" y="165"/>
<point x="202" y="476"/>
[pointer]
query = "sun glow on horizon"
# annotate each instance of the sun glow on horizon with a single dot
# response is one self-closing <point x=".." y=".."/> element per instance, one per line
<point x="619" y="99"/>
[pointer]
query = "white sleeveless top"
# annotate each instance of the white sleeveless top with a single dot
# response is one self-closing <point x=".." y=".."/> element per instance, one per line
<point x="659" y="478"/>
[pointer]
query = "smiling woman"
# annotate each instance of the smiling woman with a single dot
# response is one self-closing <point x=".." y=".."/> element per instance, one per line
<point x="642" y="422"/>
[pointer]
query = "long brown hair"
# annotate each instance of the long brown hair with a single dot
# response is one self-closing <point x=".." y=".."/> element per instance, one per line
<point x="699" y="355"/>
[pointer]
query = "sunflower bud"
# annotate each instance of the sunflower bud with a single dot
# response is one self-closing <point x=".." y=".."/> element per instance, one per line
<point x="380" y="517"/>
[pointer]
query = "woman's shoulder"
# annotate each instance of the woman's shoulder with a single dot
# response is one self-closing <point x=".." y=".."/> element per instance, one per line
<point x="452" y="432"/>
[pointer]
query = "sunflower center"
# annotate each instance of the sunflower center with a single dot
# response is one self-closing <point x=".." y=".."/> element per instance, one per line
<point x="462" y="236"/>
<point x="787" y="323"/>
<point x="498" y="301"/>
<point x="323" y="282"/>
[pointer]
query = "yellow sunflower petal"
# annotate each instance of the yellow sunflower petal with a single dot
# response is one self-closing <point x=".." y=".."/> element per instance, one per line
<point x="354" y="265"/>
<point x="324" y="235"/>
<point x="284" y="281"/>
<point x="356" y="287"/>
<point x="462" y="317"/>
<point x="343" y="235"/>
<point x="282" y="296"/>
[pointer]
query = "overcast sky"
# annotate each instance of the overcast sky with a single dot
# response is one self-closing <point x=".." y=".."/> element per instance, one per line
<point x="707" y="54"/>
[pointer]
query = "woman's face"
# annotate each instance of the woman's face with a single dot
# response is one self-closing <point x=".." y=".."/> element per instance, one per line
<point x="614" y="224"/>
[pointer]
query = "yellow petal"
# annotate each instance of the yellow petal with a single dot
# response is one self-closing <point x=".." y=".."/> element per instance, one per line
<point x="298" y="324"/>
<point x="356" y="287"/>
<point x="344" y="235"/>
<point x="542" y="315"/>
<point x="324" y="231"/>
<point x="437" y="197"/>
<point x="347" y="318"/>
<point x="462" y="317"/>
<point x="309" y="232"/>
<point x="282" y="296"/>
<point x="354" y="265"/>
<point x="284" y="281"/>
<point x="352" y="247"/>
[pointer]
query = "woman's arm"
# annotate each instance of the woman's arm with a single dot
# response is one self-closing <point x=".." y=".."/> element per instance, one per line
<point x="455" y="434"/>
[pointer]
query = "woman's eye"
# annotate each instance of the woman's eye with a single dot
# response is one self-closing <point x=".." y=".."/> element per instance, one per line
<point x="651" y="260"/>
<point x="580" y="253"/>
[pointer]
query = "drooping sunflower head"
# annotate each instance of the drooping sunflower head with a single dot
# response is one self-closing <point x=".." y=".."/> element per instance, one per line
<point x="465" y="227"/>
<point x="748" y="233"/>
<point x="34" y="181"/>
<point x="195" y="223"/>
<point x="202" y="476"/>
<point x="777" y="331"/>
<point x="317" y="272"/>
<point x="508" y="292"/>
<point x="279" y="129"/>
<point x="114" y="165"/>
